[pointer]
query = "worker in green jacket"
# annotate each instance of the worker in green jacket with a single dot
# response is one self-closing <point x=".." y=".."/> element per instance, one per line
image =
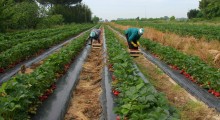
<point x="94" y="35"/>
<point x="133" y="35"/>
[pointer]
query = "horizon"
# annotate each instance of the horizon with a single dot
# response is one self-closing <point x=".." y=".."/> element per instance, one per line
<point x="114" y="9"/>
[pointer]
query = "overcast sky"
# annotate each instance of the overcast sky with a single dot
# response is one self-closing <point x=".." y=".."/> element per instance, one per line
<point x="113" y="9"/>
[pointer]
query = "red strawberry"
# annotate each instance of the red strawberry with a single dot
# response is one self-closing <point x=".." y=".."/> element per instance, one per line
<point x="210" y="90"/>
<point x="53" y="87"/>
<point x="217" y="94"/>
<point x="116" y="93"/>
<point x="1" y="70"/>
<point x="118" y="118"/>
<point x="113" y="77"/>
<point x="182" y="72"/>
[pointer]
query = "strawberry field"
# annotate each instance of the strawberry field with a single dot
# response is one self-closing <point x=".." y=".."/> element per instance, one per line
<point x="78" y="81"/>
<point x="209" y="32"/>
<point x="134" y="98"/>
<point x="18" y="47"/>
<point x="190" y="66"/>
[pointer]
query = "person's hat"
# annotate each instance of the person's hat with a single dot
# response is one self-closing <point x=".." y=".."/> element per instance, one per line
<point x="92" y="34"/>
<point x="141" y="31"/>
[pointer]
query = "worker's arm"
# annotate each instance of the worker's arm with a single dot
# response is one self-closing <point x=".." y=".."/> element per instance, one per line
<point x="138" y="43"/>
<point x="131" y="38"/>
<point x="135" y="45"/>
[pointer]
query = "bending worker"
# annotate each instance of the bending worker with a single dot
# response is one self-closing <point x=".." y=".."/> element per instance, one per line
<point x="95" y="34"/>
<point x="133" y="35"/>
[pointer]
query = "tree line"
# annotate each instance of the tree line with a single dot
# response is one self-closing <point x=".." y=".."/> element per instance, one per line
<point x="208" y="9"/>
<point x="31" y="14"/>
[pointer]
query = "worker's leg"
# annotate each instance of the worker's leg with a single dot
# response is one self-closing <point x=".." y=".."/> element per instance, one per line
<point x="91" y="40"/>
<point x="129" y="43"/>
<point x="98" y="38"/>
<point x="130" y="46"/>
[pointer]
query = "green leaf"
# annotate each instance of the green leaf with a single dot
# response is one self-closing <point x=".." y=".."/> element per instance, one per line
<point x="127" y="106"/>
<point x="2" y="88"/>
<point x="124" y="111"/>
<point x="139" y="86"/>
<point x="1" y="118"/>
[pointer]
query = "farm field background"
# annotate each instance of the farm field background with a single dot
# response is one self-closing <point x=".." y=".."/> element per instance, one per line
<point x="51" y="70"/>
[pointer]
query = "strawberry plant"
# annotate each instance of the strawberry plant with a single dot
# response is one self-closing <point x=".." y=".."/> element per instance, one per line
<point x="28" y="49"/>
<point x="190" y="66"/>
<point x="20" y="96"/>
<point x="134" y="98"/>
<point x="210" y="32"/>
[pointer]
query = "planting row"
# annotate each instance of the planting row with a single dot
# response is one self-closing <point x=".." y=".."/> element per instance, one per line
<point x="22" y="94"/>
<point x="134" y="98"/>
<point x="192" y="67"/>
<point x="37" y="35"/>
<point x="30" y="33"/>
<point x="198" y="31"/>
<point x="23" y="51"/>
<point x="7" y="44"/>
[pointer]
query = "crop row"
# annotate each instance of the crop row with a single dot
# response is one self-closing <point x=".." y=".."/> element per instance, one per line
<point x="37" y="35"/>
<point x="22" y="94"/>
<point x="32" y="33"/>
<point x="192" y="67"/>
<point x="198" y="31"/>
<point x="135" y="99"/>
<point x="7" y="44"/>
<point x="24" y="51"/>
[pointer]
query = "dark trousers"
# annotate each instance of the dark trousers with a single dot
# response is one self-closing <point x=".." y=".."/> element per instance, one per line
<point x="95" y="38"/>
<point x="129" y="43"/>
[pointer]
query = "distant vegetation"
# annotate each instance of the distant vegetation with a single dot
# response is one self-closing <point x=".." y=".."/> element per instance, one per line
<point x="208" y="9"/>
<point x="31" y="14"/>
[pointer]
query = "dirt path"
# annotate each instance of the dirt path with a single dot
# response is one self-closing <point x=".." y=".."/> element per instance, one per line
<point x="85" y="104"/>
<point x="189" y="107"/>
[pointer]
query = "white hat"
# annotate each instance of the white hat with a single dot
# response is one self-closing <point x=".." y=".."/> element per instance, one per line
<point x="92" y="34"/>
<point x="141" y="31"/>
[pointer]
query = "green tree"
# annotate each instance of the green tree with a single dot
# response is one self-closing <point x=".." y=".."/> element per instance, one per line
<point x="204" y="3"/>
<point x="95" y="19"/>
<point x="19" y="1"/>
<point x="26" y="15"/>
<point x="172" y="18"/>
<point x="78" y="14"/>
<point x="61" y="2"/>
<point x="193" y="13"/>
<point x="6" y="12"/>
<point x="210" y="8"/>
<point x="49" y="21"/>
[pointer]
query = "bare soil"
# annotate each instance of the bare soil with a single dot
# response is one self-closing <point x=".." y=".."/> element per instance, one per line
<point x="29" y="70"/>
<point x="85" y="104"/>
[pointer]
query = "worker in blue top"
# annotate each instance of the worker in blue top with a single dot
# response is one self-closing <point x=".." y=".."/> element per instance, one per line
<point x="94" y="34"/>
<point x="133" y="35"/>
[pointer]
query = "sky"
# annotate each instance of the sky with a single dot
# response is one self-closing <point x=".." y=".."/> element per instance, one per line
<point x="113" y="9"/>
